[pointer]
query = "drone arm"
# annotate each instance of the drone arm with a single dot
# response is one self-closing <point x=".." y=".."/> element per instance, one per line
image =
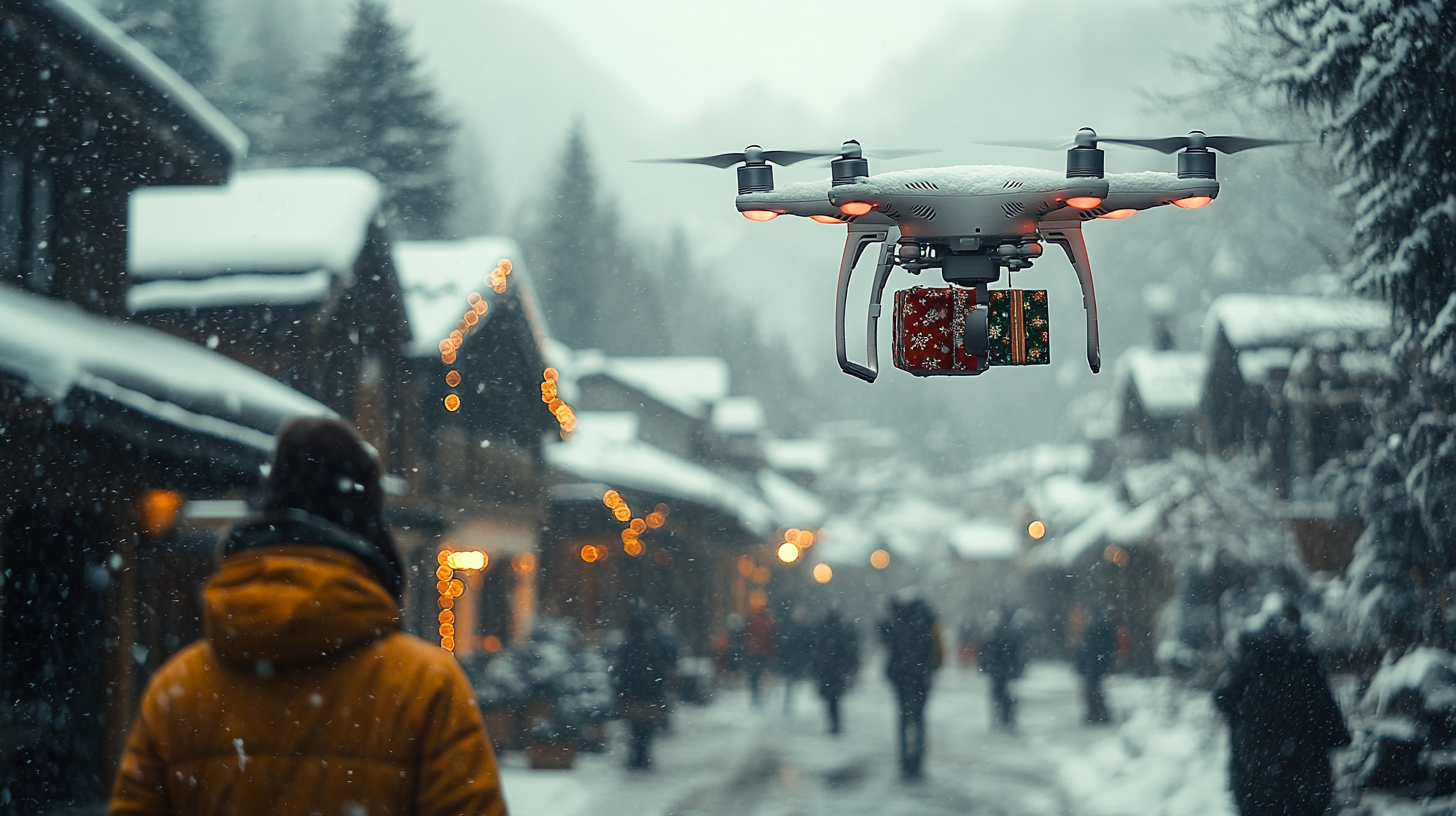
<point x="1069" y="238"/>
<point x="859" y="237"/>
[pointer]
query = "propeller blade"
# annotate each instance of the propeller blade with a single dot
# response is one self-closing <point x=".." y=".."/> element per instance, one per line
<point x="1172" y="144"/>
<point x="722" y="161"/>
<point x="899" y="154"/>
<point x="1033" y="144"/>
<point x="784" y="158"/>
<point x="1235" y="144"/>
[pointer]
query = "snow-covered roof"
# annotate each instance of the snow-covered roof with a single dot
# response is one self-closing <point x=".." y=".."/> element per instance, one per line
<point x="1062" y="501"/>
<point x="1168" y="383"/>
<point x="438" y="277"/>
<point x="1255" y="365"/>
<point x="1252" y="321"/>
<point x="605" y="448"/>
<point x="689" y="385"/>
<point x="738" y="416"/>
<point x="229" y="290"/>
<point x="1114" y="523"/>
<point x="794" y="506"/>
<point x="56" y="349"/>
<point x="798" y="455"/>
<point x="275" y="220"/>
<point x="985" y="539"/>
<point x="134" y="58"/>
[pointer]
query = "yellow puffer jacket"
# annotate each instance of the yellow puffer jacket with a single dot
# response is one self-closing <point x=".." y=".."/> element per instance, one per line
<point x="305" y="698"/>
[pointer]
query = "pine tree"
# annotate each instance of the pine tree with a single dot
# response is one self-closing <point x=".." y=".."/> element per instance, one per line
<point x="261" y="91"/>
<point x="177" y="31"/>
<point x="1376" y="79"/>
<point x="375" y="112"/>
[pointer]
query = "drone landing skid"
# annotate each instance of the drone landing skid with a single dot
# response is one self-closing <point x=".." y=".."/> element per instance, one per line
<point x="1068" y="236"/>
<point x="860" y="237"/>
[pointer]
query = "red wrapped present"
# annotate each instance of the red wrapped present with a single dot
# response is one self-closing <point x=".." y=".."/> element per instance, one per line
<point x="930" y="327"/>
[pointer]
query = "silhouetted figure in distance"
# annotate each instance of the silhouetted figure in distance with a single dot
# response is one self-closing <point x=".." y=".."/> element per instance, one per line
<point x="836" y="660"/>
<point x="1095" y="655"/>
<point x="912" y="636"/>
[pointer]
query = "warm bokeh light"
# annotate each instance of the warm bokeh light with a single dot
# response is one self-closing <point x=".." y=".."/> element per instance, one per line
<point x="791" y="534"/>
<point x="446" y="616"/>
<point x="471" y="318"/>
<point x="879" y="559"/>
<point x="745" y="566"/>
<point x="448" y="644"/>
<point x="1083" y="202"/>
<point x="457" y="588"/>
<point x="468" y="560"/>
<point x="1116" y="555"/>
<point x="447" y="345"/>
<point x="611" y="498"/>
<point x="158" y="510"/>
<point x="447" y="602"/>
<point x="457" y="337"/>
<point x="550" y="375"/>
<point x="655" y="520"/>
<point x="761" y="575"/>
<point x="445" y="572"/>
<point x="1118" y="215"/>
<point x="555" y="405"/>
<point x="505" y="265"/>
<point x="633" y="547"/>
<point x="760" y="215"/>
<point x="490" y="643"/>
<point x="855" y="207"/>
<point x="589" y="553"/>
<point x="480" y="307"/>
<point x="788" y="553"/>
<point x="1192" y="202"/>
<point x="805" y="539"/>
<point x="548" y="392"/>
<point x="524" y="563"/>
<point x="628" y="535"/>
<point x="622" y="512"/>
<point x="452" y="402"/>
<point x="638" y="526"/>
<point x="448" y="357"/>
<point x="452" y="378"/>
<point x="661" y="510"/>
<point x="1036" y="529"/>
<point x="822" y="573"/>
<point x="825" y="219"/>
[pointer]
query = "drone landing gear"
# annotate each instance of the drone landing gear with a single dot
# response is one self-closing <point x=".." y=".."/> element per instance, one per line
<point x="860" y="237"/>
<point x="1069" y="237"/>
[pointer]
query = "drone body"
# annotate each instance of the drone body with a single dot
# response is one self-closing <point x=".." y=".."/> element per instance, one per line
<point x="970" y="222"/>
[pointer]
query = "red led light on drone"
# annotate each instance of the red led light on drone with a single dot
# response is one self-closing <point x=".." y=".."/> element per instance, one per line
<point x="760" y="215"/>
<point x="1118" y="215"/>
<point x="1192" y="202"/>
<point x="855" y="207"/>
<point x="825" y="219"/>
<point x="1083" y="202"/>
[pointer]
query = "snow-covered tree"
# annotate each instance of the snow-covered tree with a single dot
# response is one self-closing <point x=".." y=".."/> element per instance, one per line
<point x="374" y="111"/>
<point x="1375" y="79"/>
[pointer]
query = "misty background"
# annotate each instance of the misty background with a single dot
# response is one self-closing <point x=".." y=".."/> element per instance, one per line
<point x="539" y="108"/>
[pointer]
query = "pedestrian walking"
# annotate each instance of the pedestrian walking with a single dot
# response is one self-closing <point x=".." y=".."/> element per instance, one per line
<point x="304" y="696"/>
<point x="760" y="644"/>
<point x="1283" y="720"/>
<point x="640" y="672"/>
<point x="835" y="662"/>
<point x="796" y="642"/>
<point x="912" y="636"/>
<point x="1001" y="661"/>
<point x="1095" y="655"/>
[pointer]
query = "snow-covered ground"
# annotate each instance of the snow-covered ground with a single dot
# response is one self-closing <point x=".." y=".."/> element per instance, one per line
<point x="1167" y="755"/>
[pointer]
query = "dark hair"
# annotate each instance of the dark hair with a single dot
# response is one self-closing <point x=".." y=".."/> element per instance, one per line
<point x="324" y="468"/>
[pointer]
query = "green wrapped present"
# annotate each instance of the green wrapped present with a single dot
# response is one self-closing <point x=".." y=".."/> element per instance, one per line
<point x="1018" y="323"/>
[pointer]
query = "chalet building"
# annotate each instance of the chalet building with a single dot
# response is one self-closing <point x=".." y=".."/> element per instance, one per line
<point x="1158" y="395"/>
<point x="112" y="435"/>
<point x="477" y="479"/>
<point x="645" y="441"/>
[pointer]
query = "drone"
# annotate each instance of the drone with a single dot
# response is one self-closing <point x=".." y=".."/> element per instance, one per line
<point x="970" y="222"/>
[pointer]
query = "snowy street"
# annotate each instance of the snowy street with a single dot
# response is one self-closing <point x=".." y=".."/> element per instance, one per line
<point x="1167" y="755"/>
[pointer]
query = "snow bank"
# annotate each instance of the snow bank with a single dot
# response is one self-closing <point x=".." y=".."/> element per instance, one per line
<point x="1168" y="383"/>
<point x="56" y="348"/>
<point x="605" y="448"/>
<point x="1250" y="321"/>
<point x="437" y="278"/>
<point x="230" y="290"/>
<point x="278" y="220"/>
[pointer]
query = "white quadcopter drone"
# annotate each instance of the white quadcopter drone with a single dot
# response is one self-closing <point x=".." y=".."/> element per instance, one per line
<point x="971" y="221"/>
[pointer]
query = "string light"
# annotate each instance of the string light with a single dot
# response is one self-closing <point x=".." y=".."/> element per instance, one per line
<point x="469" y="321"/>
<point x="565" y="416"/>
<point x="823" y="573"/>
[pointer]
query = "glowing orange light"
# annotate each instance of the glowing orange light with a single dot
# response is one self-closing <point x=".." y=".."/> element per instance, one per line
<point x="1116" y="555"/>
<point x="589" y="553"/>
<point x="745" y="566"/>
<point x="447" y="345"/>
<point x="555" y="405"/>
<point x="629" y="535"/>
<point x="638" y="526"/>
<point x="523" y="563"/>
<point x="159" y="510"/>
<point x="655" y="520"/>
<point x="456" y="588"/>
<point x="452" y="402"/>
<point x="760" y="215"/>
<point x="1083" y="202"/>
<point x="444" y="573"/>
<point x="633" y="547"/>
<point x="806" y="539"/>
<point x="1118" y="215"/>
<point x="447" y="602"/>
<point x="448" y="357"/>
<point x="443" y="586"/>
<point x="447" y="630"/>
<point x="1036" y="529"/>
<point x="822" y="573"/>
<point x="825" y="219"/>
<point x="498" y="285"/>
<point x="468" y="560"/>
<point x="548" y="391"/>
<point x="879" y="559"/>
<point x="1192" y="202"/>
<point x="855" y="207"/>
<point x="505" y="265"/>
<point x="448" y="644"/>
<point x="442" y="556"/>
<point x="661" y="509"/>
<point x="611" y="498"/>
<point x="471" y="318"/>
<point x="472" y="298"/>
<point x="761" y="575"/>
<point x="446" y="616"/>
<point x="452" y="379"/>
<point x="792" y="534"/>
<point x="490" y="643"/>
<point x="550" y="375"/>
<point x="479" y="307"/>
<point x="622" y="512"/>
<point x="788" y="553"/>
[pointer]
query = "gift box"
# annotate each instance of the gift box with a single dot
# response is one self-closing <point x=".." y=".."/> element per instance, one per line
<point x="929" y="336"/>
<point x="1018" y="324"/>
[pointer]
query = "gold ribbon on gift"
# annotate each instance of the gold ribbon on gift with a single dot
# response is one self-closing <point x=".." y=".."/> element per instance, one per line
<point x="1018" y="328"/>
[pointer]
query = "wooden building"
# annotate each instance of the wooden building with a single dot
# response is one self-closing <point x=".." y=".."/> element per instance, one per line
<point x="1158" y="401"/>
<point x="107" y="431"/>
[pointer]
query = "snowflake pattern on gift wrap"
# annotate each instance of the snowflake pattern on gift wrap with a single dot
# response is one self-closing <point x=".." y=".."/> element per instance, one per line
<point x="919" y="341"/>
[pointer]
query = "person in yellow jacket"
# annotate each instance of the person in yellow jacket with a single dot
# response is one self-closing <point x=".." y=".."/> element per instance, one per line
<point x="304" y="697"/>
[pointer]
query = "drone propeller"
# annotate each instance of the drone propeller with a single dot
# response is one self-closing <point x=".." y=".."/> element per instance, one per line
<point x="1198" y="140"/>
<point x="753" y="155"/>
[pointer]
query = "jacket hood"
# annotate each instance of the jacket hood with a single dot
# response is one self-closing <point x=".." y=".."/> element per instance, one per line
<point x="293" y="603"/>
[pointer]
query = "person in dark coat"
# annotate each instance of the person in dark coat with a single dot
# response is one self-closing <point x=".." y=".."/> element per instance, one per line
<point x="1283" y="722"/>
<point x="640" y="674"/>
<point x="1001" y="662"/>
<point x="835" y="661"/>
<point x="1095" y="655"/>
<point x="795" y="653"/>
<point x="760" y="645"/>
<point x="912" y="636"/>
